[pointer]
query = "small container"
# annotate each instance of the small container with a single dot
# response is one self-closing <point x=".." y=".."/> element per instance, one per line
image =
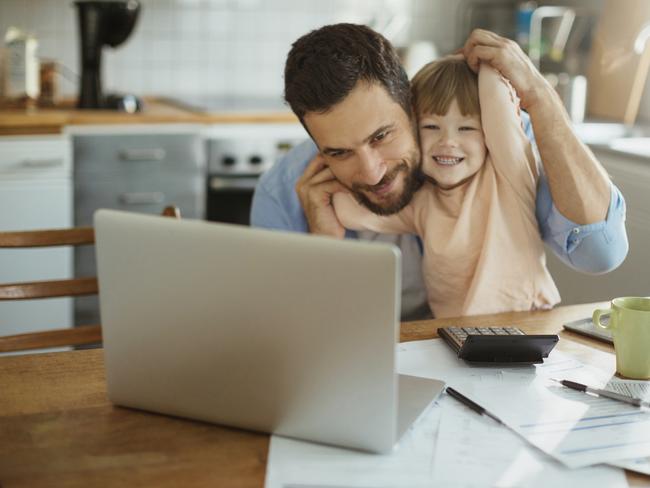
<point x="21" y="65"/>
<point x="49" y="89"/>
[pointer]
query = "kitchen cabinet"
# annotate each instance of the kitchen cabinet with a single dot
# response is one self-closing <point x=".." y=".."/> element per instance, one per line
<point x="632" y="176"/>
<point x="35" y="193"/>
<point x="136" y="169"/>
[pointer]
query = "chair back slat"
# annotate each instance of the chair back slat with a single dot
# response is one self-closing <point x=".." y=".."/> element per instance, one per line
<point x="88" y="334"/>
<point x="48" y="289"/>
<point x="78" y="335"/>
<point x="42" y="238"/>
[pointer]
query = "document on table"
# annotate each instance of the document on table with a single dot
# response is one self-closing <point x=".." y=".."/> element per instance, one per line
<point x="571" y="426"/>
<point x="575" y="428"/>
<point x="474" y="451"/>
<point x="637" y="389"/>
<point x="467" y="450"/>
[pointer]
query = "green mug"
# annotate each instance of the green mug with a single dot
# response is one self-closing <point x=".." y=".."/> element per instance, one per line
<point x="630" y="325"/>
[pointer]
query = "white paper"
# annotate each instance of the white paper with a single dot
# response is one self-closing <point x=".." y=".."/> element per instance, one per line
<point x="294" y="463"/>
<point x="468" y="450"/>
<point x="525" y="398"/>
<point x="633" y="388"/>
<point x="475" y="451"/>
<point x="575" y="428"/>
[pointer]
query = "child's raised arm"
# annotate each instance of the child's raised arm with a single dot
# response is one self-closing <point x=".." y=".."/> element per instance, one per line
<point x="508" y="146"/>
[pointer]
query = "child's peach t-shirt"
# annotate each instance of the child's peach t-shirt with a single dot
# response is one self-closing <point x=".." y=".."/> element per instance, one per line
<point x="483" y="252"/>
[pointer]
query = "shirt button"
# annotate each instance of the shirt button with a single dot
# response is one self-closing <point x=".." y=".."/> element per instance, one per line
<point x="576" y="230"/>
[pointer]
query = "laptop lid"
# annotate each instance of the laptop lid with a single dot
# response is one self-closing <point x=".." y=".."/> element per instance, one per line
<point x="270" y="331"/>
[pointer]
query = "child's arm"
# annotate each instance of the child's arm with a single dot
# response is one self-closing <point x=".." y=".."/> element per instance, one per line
<point x="508" y="146"/>
<point x="354" y="216"/>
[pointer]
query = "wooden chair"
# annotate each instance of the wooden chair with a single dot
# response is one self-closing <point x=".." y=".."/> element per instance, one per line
<point x="75" y="336"/>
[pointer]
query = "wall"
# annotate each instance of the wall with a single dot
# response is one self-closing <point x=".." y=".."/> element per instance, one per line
<point x="185" y="47"/>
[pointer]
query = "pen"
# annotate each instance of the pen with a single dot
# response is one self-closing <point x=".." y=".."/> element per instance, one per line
<point x="474" y="406"/>
<point x="637" y="402"/>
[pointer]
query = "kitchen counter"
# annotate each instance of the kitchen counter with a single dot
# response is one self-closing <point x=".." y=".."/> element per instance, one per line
<point x="616" y="138"/>
<point x="156" y="111"/>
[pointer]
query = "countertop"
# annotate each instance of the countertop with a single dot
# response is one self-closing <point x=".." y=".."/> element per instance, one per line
<point x="14" y="121"/>
<point x="618" y="138"/>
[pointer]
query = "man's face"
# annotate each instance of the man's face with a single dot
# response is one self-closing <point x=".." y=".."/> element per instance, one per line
<point x="370" y="146"/>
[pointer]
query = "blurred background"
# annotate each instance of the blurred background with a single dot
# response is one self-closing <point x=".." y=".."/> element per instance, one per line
<point x="238" y="47"/>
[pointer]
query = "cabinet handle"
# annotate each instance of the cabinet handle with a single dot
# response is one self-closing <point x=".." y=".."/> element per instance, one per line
<point x="237" y="183"/>
<point x="142" y="198"/>
<point x="42" y="163"/>
<point x="153" y="154"/>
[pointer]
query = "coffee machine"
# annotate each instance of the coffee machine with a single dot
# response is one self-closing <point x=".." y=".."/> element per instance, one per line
<point x="103" y="22"/>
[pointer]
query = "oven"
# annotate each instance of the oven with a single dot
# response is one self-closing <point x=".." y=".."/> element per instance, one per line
<point x="238" y="154"/>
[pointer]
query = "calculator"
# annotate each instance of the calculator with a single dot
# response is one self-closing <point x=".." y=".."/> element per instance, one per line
<point x="498" y="345"/>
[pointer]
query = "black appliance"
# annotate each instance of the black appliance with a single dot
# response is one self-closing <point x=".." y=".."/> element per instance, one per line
<point x="103" y="23"/>
<point x="238" y="154"/>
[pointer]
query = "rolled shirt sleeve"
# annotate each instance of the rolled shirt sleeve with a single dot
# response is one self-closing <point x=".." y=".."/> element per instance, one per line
<point x="593" y="248"/>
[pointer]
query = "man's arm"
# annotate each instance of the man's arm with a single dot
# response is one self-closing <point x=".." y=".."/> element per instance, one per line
<point x="579" y="185"/>
<point x="592" y="248"/>
<point x="275" y="202"/>
<point x="581" y="214"/>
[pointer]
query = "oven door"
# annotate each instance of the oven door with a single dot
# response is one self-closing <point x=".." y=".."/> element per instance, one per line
<point x="230" y="197"/>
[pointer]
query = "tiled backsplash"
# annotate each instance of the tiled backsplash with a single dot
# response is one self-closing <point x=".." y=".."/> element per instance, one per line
<point x="190" y="47"/>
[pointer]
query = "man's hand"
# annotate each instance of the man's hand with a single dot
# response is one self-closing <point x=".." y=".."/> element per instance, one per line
<point x="506" y="56"/>
<point x="579" y="186"/>
<point x="315" y="189"/>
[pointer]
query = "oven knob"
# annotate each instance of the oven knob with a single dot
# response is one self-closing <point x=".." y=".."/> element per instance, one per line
<point x="255" y="160"/>
<point x="228" y="160"/>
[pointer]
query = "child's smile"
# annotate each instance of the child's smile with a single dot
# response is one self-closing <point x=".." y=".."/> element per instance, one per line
<point x="447" y="160"/>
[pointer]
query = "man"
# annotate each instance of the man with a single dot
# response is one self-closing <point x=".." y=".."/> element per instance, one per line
<point x="347" y="87"/>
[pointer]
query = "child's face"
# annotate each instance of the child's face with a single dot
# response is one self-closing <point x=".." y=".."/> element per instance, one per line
<point x="453" y="147"/>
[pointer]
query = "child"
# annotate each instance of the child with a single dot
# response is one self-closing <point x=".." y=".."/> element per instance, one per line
<point x="476" y="211"/>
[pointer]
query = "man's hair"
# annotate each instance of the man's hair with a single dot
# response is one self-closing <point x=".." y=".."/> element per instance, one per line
<point x="324" y="66"/>
<point x="438" y="83"/>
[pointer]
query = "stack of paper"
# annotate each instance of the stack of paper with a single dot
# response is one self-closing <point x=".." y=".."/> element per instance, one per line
<point x="452" y="446"/>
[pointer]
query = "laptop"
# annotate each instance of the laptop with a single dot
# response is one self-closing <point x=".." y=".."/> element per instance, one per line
<point x="268" y="331"/>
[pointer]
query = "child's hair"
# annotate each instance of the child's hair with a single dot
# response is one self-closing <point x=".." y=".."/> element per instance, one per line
<point x="438" y="83"/>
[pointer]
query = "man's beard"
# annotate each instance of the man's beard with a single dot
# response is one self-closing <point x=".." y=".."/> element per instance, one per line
<point x="413" y="180"/>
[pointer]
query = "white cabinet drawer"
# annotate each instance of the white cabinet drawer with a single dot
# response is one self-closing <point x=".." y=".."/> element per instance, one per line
<point x="27" y="157"/>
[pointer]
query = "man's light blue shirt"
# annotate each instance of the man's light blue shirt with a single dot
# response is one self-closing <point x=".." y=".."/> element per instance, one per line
<point x="594" y="248"/>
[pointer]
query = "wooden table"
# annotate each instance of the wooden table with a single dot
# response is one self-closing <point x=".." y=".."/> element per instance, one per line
<point x="57" y="427"/>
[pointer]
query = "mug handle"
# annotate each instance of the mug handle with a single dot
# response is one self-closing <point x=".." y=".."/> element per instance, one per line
<point x="600" y="312"/>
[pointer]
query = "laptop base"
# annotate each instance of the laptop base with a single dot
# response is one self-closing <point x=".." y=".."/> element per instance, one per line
<point x="414" y="396"/>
